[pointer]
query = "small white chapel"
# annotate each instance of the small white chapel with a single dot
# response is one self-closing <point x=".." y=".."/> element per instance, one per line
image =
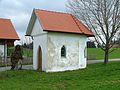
<point x="59" y="41"/>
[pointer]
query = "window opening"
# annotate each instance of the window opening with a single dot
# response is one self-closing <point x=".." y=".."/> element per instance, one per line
<point x="63" y="51"/>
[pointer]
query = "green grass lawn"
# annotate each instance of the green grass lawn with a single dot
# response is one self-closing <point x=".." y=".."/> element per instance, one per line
<point x="26" y="51"/>
<point x="94" y="77"/>
<point x="100" y="53"/>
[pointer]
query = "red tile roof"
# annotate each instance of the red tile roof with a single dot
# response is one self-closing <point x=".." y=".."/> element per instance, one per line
<point x="7" y="31"/>
<point x="62" y="22"/>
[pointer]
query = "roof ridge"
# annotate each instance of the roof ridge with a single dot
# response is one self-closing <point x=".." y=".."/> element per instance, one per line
<point x="52" y="11"/>
<point x="4" y="19"/>
<point x="76" y="23"/>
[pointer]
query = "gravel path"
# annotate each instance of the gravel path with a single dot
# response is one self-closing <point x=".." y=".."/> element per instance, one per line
<point x="97" y="61"/>
<point x="29" y="67"/>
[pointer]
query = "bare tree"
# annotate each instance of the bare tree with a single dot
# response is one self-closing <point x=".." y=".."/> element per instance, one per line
<point x="102" y="17"/>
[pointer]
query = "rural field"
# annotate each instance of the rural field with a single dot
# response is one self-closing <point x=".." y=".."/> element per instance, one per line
<point x="96" y="51"/>
<point x="100" y="53"/>
<point x="26" y="51"/>
<point x="94" y="77"/>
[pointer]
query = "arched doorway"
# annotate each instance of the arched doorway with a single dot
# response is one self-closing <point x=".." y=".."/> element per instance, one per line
<point x="40" y="59"/>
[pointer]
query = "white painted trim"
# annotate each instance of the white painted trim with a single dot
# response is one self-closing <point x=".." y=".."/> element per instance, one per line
<point x="39" y="21"/>
<point x="39" y="35"/>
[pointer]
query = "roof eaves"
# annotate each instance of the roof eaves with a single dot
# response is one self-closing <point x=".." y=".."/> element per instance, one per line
<point x="88" y="35"/>
<point x="74" y="18"/>
<point x="61" y="31"/>
<point x="14" y="31"/>
<point x="39" y="19"/>
<point x="8" y="39"/>
<point x="31" y="23"/>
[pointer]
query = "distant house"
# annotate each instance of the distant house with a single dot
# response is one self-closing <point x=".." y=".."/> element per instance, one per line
<point x="7" y="36"/>
<point x="115" y="46"/>
<point x="59" y="41"/>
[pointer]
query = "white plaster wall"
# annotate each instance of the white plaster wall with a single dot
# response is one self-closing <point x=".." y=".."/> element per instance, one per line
<point x="37" y="29"/>
<point x="74" y="44"/>
<point x="2" y="50"/>
<point x="40" y="39"/>
<point x="42" y="42"/>
<point x="82" y="58"/>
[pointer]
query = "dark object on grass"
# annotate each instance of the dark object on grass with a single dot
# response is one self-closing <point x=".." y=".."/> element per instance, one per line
<point x="16" y="58"/>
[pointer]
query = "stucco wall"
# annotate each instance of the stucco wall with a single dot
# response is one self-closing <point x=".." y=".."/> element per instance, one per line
<point x="2" y="50"/>
<point x="40" y="39"/>
<point x="74" y="44"/>
<point x="51" y="44"/>
<point x="42" y="42"/>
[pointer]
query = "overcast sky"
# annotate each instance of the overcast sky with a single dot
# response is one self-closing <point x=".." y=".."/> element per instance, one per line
<point x="19" y="11"/>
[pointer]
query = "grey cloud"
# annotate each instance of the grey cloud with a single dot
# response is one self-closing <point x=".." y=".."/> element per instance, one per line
<point x="19" y="11"/>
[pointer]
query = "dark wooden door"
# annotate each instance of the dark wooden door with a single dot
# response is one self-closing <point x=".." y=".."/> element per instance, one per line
<point x="40" y="59"/>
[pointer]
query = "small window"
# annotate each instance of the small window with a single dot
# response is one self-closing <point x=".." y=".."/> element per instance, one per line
<point x="63" y="51"/>
<point x="85" y="52"/>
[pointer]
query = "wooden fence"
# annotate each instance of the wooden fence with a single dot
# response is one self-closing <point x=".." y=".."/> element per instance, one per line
<point x="26" y="60"/>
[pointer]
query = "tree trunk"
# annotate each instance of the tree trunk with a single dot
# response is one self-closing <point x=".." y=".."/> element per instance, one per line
<point x="106" y="56"/>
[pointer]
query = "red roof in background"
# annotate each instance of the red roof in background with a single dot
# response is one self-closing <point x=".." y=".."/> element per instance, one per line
<point x="63" y="22"/>
<point x="7" y="31"/>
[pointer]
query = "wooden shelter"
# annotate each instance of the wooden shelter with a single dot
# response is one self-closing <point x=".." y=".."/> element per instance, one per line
<point x="7" y="35"/>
